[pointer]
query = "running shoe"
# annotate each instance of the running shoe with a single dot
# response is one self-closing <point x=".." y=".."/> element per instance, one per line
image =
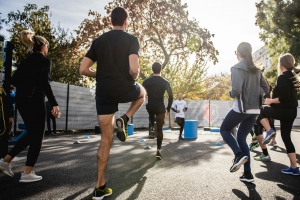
<point x="273" y="143"/>
<point x="238" y="162"/>
<point x="100" y="194"/>
<point x="152" y="133"/>
<point x="180" y="138"/>
<point x="6" y="168"/>
<point x="121" y="123"/>
<point x="293" y="171"/>
<point x="28" y="178"/>
<point x="262" y="157"/>
<point x="253" y="146"/>
<point x="247" y="177"/>
<point x="269" y="135"/>
<point x="158" y="155"/>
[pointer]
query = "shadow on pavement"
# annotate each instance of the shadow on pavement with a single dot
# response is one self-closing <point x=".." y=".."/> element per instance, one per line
<point x="288" y="183"/>
<point x="253" y="194"/>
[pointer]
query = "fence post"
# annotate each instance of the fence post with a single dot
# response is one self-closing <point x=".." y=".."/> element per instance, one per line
<point x="67" y="109"/>
<point x="209" y="113"/>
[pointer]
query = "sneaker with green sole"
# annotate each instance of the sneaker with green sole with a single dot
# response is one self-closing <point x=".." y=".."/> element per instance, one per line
<point x="100" y="194"/>
<point x="253" y="146"/>
<point x="262" y="157"/>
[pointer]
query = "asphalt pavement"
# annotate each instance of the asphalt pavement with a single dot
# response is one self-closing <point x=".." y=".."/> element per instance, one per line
<point x="190" y="169"/>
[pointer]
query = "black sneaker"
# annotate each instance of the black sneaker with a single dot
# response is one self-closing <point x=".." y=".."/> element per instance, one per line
<point x="100" y="194"/>
<point x="181" y="138"/>
<point x="53" y="134"/>
<point x="247" y="177"/>
<point x="158" y="155"/>
<point x="121" y="123"/>
<point x="238" y="162"/>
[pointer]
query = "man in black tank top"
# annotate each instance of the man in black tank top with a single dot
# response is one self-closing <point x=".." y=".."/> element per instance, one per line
<point x="156" y="87"/>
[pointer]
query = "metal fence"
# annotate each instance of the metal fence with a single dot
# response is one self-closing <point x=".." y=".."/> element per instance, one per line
<point x="77" y="105"/>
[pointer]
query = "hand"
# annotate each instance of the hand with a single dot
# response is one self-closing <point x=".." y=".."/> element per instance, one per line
<point x="268" y="101"/>
<point x="167" y="113"/>
<point x="178" y="111"/>
<point x="56" y="112"/>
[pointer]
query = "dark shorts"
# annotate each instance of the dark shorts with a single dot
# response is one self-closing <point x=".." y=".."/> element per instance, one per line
<point x="11" y="114"/>
<point x="109" y="105"/>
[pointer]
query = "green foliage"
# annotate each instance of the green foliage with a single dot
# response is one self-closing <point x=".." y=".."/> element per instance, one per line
<point x="61" y="43"/>
<point x="279" y="21"/>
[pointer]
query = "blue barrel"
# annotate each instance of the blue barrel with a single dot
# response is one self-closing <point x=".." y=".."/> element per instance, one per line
<point x="191" y="129"/>
<point x="130" y="129"/>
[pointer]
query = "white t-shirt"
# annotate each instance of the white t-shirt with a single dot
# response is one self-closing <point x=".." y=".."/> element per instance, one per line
<point x="179" y="105"/>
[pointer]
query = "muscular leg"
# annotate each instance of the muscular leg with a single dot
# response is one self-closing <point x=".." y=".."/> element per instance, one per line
<point x="106" y="123"/>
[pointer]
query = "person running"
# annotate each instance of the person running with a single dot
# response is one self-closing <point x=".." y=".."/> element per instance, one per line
<point x="32" y="82"/>
<point x="12" y="99"/>
<point x="283" y="107"/>
<point x="246" y="81"/>
<point x="179" y="107"/>
<point x="156" y="87"/>
<point x="116" y="53"/>
<point x="52" y="118"/>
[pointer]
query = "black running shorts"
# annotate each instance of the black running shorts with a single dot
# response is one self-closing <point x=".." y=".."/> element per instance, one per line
<point x="109" y="105"/>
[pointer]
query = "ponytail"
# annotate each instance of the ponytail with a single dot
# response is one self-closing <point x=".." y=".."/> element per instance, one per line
<point x="245" y="51"/>
<point x="26" y="37"/>
<point x="33" y="42"/>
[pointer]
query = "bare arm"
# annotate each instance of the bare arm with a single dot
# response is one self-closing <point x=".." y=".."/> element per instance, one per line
<point x="134" y="66"/>
<point x="85" y="68"/>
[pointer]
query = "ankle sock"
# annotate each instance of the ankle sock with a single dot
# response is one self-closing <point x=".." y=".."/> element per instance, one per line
<point x="102" y="187"/>
<point x="247" y="172"/>
<point x="127" y="118"/>
<point x="265" y="152"/>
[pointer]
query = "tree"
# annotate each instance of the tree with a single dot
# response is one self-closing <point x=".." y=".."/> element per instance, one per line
<point x="61" y="43"/>
<point x="166" y="34"/>
<point x="1" y="22"/>
<point x="279" y="21"/>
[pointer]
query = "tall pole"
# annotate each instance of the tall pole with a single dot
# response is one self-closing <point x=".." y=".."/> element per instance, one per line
<point x="67" y="109"/>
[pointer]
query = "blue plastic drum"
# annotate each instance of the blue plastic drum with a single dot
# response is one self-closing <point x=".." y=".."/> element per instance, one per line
<point x="191" y="129"/>
<point x="130" y="129"/>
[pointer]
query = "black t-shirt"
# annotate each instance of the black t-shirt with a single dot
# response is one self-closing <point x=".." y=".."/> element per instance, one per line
<point x="285" y="91"/>
<point x="156" y="87"/>
<point x="111" y="52"/>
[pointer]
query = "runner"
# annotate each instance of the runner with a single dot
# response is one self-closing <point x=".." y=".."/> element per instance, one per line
<point x="283" y="107"/>
<point x="32" y="82"/>
<point x="179" y="107"/>
<point x="117" y="56"/>
<point x="156" y="87"/>
<point x="246" y="82"/>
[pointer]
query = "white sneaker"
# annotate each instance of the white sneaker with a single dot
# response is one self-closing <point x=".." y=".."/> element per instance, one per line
<point x="32" y="177"/>
<point x="6" y="168"/>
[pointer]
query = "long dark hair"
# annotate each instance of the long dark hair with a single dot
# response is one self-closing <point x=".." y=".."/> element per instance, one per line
<point x="245" y="51"/>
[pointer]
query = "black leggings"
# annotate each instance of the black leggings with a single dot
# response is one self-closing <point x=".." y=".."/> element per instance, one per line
<point x="180" y="121"/>
<point x="286" y="116"/>
<point x="258" y="128"/>
<point x="33" y="113"/>
<point x="157" y="113"/>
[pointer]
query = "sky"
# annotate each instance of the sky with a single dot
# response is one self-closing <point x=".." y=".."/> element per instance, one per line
<point x="232" y="21"/>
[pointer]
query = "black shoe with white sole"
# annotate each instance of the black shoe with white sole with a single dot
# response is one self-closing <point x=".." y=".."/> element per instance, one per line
<point x="247" y="177"/>
<point x="238" y="161"/>
<point x="158" y="155"/>
<point x="121" y="123"/>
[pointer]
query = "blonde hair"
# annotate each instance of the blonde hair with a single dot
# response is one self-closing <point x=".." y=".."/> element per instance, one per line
<point x="33" y="42"/>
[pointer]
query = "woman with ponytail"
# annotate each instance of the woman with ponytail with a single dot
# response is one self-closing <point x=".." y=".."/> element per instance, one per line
<point x="283" y="107"/>
<point x="246" y="84"/>
<point x="31" y="80"/>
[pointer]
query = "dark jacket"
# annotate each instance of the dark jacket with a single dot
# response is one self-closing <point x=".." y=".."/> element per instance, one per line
<point x="32" y="78"/>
